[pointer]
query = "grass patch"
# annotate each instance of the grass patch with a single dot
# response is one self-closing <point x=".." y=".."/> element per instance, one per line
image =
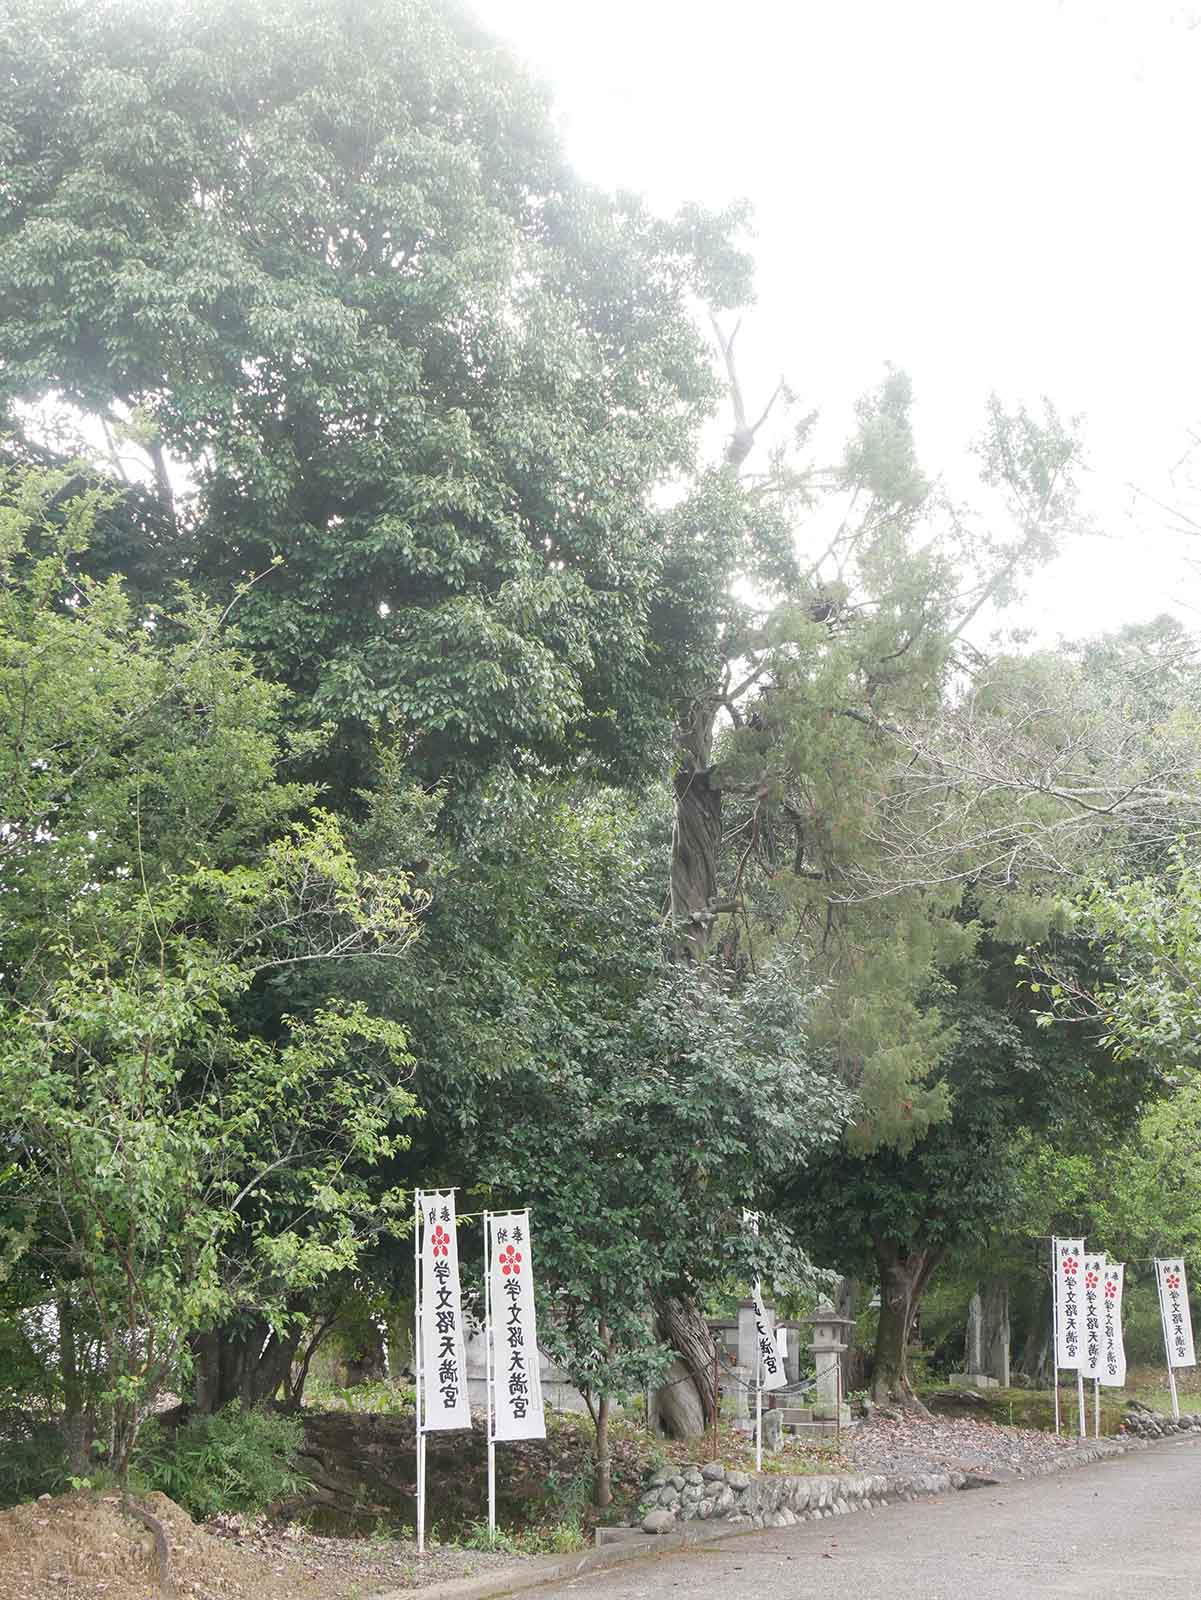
<point x="562" y="1538"/>
<point x="1035" y="1408"/>
<point x="383" y="1398"/>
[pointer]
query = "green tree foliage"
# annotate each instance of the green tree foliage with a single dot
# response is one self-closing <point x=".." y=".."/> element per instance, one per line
<point x="837" y="838"/>
<point x="864" y="827"/>
<point x="326" y="274"/>
<point x="1148" y="928"/>
<point x="1015" y="1091"/>
<point x="637" y="1107"/>
<point x="166" y="1167"/>
<point x="323" y="264"/>
<point x="409" y="389"/>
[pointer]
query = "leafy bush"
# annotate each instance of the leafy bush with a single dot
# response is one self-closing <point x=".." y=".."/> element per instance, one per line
<point x="570" y="1494"/>
<point x="561" y="1539"/>
<point x="385" y="1397"/>
<point x="33" y="1459"/>
<point x="237" y="1460"/>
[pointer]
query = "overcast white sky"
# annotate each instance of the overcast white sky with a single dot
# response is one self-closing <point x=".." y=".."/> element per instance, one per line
<point x="988" y="193"/>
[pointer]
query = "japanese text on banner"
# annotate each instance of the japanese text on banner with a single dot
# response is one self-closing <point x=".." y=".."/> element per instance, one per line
<point x="1174" y="1307"/>
<point x="443" y="1366"/>
<point x="517" y="1411"/>
<point x="1068" y="1256"/>
<point x="771" y="1374"/>
<point x="1091" y="1296"/>
<point x="1113" y="1349"/>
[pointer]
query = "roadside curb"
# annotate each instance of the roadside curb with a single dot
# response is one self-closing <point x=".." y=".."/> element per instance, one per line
<point x="560" y="1569"/>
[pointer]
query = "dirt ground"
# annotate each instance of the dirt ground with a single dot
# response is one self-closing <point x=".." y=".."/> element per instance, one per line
<point x="82" y="1546"/>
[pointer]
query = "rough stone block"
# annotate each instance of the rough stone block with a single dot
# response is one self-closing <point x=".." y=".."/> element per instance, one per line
<point x="658" y="1521"/>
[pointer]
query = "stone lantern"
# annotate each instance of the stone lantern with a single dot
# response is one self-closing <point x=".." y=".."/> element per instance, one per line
<point x="831" y="1337"/>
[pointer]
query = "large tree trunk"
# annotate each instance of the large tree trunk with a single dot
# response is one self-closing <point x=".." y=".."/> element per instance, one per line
<point x="78" y="1423"/>
<point x="685" y="1409"/>
<point x="687" y="1404"/>
<point x="696" y="839"/>
<point x="695" y="904"/>
<point x="903" y="1280"/>
<point x="247" y="1363"/>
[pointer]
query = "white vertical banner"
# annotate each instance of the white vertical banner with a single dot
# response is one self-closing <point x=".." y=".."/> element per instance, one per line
<point x="516" y="1401"/>
<point x="442" y="1369"/>
<point x="771" y="1369"/>
<point x="1068" y="1255"/>
<point x="1092" y="1292"/>
<point x="1113" y="1349"/>
<point x="1174" y="1309"/>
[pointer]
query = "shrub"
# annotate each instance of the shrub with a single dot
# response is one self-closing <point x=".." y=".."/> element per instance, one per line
<point x="237" y="1460"/>
<point x="33" y="1459"/>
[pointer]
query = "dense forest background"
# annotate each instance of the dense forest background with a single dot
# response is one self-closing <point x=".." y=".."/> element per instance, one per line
<point x="452" y="735"/>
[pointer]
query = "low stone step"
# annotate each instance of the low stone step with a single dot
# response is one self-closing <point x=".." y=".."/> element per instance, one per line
<point x="618" y="1535"/>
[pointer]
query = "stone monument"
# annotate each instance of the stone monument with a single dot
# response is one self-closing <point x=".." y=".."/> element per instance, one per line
<point x="986" y="1342"/>
<point x="831" y="1337"/>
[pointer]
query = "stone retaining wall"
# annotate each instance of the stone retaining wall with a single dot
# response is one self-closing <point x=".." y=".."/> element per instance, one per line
<point x="776" y="1500"/>
<point x="1147" y="1424"/>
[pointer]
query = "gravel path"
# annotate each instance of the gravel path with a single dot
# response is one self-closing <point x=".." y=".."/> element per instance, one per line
<point x="911" y="1444"/>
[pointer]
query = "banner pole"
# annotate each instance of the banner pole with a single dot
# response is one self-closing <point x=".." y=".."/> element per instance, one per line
<point x="1055" y="1324"/>
<point x="1096" y="1408"/>
<point x="716" y="1400"/>
<point x="1082" y="1426"/>
<point x="417" y="1370"/>
<point x="489" y="1375"/>
<point x="758" y="1381"/>
<point x="1167" y="1340"/>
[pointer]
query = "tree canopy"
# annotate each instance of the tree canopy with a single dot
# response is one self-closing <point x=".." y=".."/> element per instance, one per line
<point x="424" y="762"/>
<point x="324" y="267"/>
<point x="168" y="1167"/>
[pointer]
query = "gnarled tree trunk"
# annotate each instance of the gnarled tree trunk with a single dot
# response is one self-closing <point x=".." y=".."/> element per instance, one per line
<point x="903" y="1279"/>
<point x="696" y="839"/>
<point x="247" y="1363"/>
<point x="695" y="905"/>
<point x="687" y="1403"/>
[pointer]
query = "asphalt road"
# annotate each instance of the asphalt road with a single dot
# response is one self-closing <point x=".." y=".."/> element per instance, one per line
<point x="1116" y="1530"/>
